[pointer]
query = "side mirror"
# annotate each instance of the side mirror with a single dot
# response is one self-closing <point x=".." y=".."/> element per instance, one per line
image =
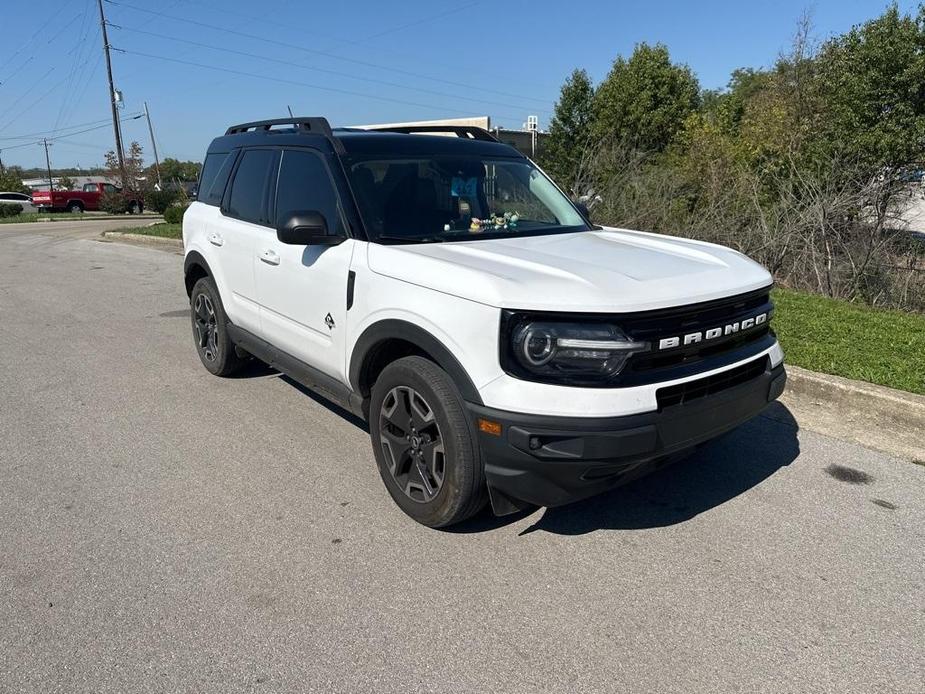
<point x="306" y="228"/>
<point x="585" y="212"/>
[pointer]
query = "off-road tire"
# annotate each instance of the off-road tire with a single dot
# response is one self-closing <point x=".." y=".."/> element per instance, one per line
<point x="216" y="350"/>
<point x="462" y="491"/>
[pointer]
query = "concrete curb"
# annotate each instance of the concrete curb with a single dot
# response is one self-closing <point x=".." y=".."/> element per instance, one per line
<point x="883" y="418"/>
<point x="160" y="241"/>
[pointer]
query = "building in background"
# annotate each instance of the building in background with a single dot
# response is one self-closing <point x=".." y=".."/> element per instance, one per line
<point x="528" y="140"/>
<point x="79" y="181"/>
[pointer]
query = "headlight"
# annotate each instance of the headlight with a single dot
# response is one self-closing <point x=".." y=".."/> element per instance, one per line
<point x="571" y="352"/>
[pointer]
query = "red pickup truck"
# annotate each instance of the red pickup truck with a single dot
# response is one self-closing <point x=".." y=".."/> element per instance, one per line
<point x="88" y="198"/>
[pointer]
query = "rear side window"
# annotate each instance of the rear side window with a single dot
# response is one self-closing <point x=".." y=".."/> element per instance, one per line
<point x="214" y="176"/>
<point x="304" y="184"/>
<point x="248" y="198"/>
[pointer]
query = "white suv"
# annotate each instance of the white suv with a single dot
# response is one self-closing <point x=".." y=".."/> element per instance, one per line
<point x="500" y="346"/>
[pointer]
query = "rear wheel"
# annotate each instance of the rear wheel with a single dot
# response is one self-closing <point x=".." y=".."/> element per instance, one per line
<point x="210" y="332"/>
<point x="134" y="207"/>
<point x="425" y="448"/>
<point x="75" y="207"/>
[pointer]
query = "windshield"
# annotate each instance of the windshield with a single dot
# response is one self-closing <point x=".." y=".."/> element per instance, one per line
<point x="452" y="198"/>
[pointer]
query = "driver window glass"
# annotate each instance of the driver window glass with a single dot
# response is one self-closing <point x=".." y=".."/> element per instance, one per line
<point x="304" y="184"/>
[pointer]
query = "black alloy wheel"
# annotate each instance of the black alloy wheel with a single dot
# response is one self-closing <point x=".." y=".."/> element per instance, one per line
<point x="412" y="444"/>
<point x="206" y="325"/>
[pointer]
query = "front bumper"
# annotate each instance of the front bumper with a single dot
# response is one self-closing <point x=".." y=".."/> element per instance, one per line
<point x="550" y="461"/>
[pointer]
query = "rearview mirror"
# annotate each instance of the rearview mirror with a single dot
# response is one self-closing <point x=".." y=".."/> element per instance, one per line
<point x="306" y="228"/>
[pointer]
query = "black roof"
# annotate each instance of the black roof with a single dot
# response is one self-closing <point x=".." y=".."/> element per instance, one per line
<point x="352" y="141"/>
<point x="383" y="142"/>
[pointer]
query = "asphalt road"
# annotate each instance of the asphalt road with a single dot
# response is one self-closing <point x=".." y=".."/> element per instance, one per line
<point x="164" y="530"/>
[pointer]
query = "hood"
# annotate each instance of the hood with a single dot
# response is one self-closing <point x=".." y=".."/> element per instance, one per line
<point x="614" y="270"/>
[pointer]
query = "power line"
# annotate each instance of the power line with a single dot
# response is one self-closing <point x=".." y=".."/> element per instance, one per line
<point x="67" y="136"/>
<point x="26" y="93"/>
<point x="293" y="82"/>
<point x="289" y="63"/>
<point x="43" y="133"/>
<point x="51" y="17"/>
<point x="423" y="20"/>
<point x="312" y="51"/>
<point x="303" y="30"/>
<point x="72" y="73"/>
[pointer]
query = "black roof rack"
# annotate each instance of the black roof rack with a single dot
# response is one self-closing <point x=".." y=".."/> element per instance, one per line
<point x="315" y="125"/>
<point x="467" y="131"/>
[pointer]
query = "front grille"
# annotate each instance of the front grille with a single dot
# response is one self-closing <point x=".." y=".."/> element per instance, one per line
<point x="682" y="320"/>
<point x="702" y="387"/>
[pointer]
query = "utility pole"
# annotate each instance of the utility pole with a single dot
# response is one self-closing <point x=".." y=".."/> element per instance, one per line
<point x="2" y="170"/>
<point x="51" y="183"/>
<point x="112" y="96"/>
<point x="157" y="163"/>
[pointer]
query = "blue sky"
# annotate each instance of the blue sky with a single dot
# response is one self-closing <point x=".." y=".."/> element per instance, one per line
<point x="354" y="62"/>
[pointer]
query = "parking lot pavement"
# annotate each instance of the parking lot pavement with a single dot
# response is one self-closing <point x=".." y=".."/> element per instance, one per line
<point x="165" y="530"/>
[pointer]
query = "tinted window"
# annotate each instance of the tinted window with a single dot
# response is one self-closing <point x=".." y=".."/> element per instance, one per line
<point x="108" y="188"/>
<point x="304" y="184"/>
<point x="89" y="187"/>
<point x="249" y="188"/>
<point x="214" y="176"/>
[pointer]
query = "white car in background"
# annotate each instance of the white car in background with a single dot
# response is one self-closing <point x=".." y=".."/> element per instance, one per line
<point x="18" y="199"/>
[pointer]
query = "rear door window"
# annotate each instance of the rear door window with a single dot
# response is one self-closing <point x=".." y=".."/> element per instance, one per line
<point x="249" y="188"/>
<point x="214" y="177"/>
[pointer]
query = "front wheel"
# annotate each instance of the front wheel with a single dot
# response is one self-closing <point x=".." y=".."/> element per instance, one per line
<point x="134" y="207"/>
<point x="425" y="448"/>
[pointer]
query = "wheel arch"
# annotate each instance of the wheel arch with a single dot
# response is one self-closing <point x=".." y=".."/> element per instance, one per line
<point x="390" y="339"/>
<point x="195" y="268"/>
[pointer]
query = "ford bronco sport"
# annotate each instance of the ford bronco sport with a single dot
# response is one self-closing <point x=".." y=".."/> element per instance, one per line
<point x="500" y="346"/>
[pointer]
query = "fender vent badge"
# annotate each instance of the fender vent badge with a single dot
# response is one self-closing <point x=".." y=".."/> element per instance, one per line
<point x="329" y="321"/>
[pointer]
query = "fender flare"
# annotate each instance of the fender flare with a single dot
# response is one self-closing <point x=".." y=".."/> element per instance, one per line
<point x="195" y="258"/>
<point x="391" y="328"/>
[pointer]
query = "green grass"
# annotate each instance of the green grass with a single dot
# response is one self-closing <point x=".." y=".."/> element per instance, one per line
<point x="42" y="217"/>
<point x="168" y="231"/>
<point x="851" y="340"/>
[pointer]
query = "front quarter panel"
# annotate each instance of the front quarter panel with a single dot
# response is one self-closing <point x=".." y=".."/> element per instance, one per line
<point x="467" y="329"/>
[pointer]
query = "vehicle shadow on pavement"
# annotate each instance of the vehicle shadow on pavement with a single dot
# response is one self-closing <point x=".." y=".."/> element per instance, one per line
<point x="718" y="472"/>
<point x="257" y="369"/>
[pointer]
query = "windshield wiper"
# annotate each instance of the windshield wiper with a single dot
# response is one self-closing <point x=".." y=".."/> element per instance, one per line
<point x="410" y="239"/>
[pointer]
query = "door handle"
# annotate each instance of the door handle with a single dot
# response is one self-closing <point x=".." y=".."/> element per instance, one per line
<point x="216" y="240"/>
<point x="270" y="257"/>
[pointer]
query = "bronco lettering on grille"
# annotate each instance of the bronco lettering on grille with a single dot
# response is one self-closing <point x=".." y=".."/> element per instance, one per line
<point x="713" y="333"/>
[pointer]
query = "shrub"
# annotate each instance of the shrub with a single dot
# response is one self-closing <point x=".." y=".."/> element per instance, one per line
<point x="160" y="200"/>
<point x="174" y="214"/>
<point x="8" y="210"/>
<point x="114" y="203"/>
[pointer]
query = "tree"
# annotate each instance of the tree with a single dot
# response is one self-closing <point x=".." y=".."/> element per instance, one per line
<point x="176" y="170"/>
<point x="134" y="166"/>
<point x="11" y="180"/>
<point x="569" y="129"/>
<point x="645" y="100"/>
<point x="873" y="81"/>
<point x="66" y="182"/>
